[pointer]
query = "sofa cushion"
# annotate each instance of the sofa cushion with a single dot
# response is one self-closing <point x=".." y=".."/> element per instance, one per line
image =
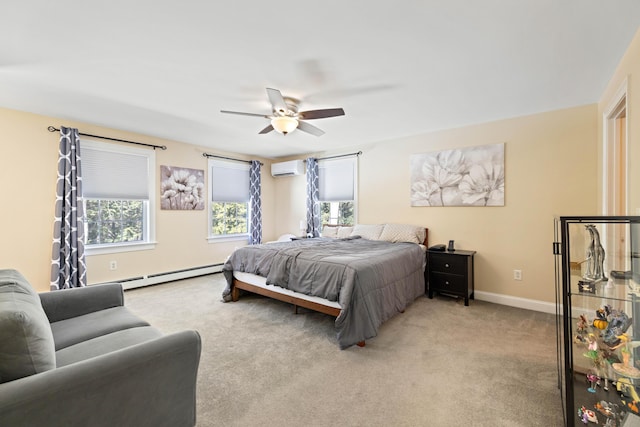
<point x="26" y="341"/>
<point x="81" y="328"/>
<point x="105" y="344"/>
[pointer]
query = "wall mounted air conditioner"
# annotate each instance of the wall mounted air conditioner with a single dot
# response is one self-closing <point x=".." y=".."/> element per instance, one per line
<point x="294" y="167"/>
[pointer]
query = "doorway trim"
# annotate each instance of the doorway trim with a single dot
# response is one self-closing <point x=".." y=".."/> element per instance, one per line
<point x="617" y="105"/>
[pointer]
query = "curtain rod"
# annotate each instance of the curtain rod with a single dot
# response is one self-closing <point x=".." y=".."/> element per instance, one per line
<point x="341" y="155"/>
<point x="164" y="147"/>
<point x="228" y="158"/>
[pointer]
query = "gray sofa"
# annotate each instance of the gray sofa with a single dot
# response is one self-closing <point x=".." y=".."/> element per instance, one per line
<point x="78" y="357"/>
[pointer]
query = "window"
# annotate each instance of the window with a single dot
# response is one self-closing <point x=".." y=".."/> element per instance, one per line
<point x="337" y="190"/>
<point x="117" y="183"/>
<point x="114" y="221"/>
<point x="229" y="196"/>
<point x="338" y="213"/>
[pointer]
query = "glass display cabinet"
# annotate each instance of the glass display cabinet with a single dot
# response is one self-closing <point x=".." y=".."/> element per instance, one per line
<point x="598" y="312"/>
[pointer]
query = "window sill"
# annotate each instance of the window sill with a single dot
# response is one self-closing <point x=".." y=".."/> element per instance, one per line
<point x="222" y="239"/>
<point x="116" y="248"/>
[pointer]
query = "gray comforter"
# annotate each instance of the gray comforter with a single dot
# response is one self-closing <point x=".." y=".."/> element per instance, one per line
<point x="371" y="280"/>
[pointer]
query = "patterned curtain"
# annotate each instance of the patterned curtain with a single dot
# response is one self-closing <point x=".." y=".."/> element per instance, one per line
<point x="255" y="203"/>
<point x="313" y="205"/>
<point x="68" y="269"/>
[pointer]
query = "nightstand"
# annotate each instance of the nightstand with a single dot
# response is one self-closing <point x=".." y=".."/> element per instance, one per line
<point x="451" y="273"/>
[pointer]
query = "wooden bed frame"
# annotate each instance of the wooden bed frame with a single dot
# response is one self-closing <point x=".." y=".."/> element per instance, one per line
<point x="297" y="302"/>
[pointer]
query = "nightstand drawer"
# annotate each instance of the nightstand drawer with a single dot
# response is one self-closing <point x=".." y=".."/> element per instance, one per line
<point x="448" y="263"/>
<point x="448" y="282"/>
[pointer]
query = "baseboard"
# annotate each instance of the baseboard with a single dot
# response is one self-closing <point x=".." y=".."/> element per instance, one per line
<point x="169" y="276"/>
<point x="528" y="304"/>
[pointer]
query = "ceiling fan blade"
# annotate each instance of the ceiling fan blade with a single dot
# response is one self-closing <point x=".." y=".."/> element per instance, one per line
<point x="321" y="114"/>
<point x="277" y="100"/>
<point x="306" y="127"/>
<point x="266" y="130"/>
<point x="245" y="114"/>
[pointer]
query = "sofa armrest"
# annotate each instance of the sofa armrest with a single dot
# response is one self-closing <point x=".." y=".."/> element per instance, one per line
<point x="67" y="303"/>
<point x="148" y="384"/>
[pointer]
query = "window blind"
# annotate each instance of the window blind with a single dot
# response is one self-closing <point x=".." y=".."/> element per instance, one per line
<point x="114" y="175"/>
<point x="229" y="181"/>
<point x="336" y="180"/>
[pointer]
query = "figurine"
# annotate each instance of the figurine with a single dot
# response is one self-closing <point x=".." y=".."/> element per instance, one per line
<point x="598" y="355"/>
<point x="582" y="324"/>
<point x="592" y="347"/>
<point x="628" y="394"/>
<point x="600" y="322"/>
<point x="593" y="343"/>
<point x="587" y="415"/>
<point x="619" y="322"/>
<point x="612" y="411"/>
<point x="593" y="380"/>
<point x="595" y="256"/>
<point x="605" y="408"/>
<point x="590" y="253"/>
<point x="625" y="368"/>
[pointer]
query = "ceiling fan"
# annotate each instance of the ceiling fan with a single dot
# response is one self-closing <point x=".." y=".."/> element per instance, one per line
<point x="286" y="118"/>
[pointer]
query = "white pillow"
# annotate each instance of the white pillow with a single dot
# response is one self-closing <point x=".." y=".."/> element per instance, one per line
<point x="402" y="233"/>
<point x="369" y="232"/>
<point x="344" y="232"/>
<point x="328" y="231"/>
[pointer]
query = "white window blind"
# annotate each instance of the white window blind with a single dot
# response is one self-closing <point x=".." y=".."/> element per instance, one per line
<point x="110" y="174"/>
<point x="229" y="181"/>
<point x="337" y="179"/>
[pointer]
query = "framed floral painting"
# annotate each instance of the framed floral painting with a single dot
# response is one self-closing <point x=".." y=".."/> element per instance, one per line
<point x="471" y="176"/>
<point x="181" y="188"/>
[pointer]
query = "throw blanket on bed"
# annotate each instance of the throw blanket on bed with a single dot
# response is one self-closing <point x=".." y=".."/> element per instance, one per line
<point x="371" y="280"/>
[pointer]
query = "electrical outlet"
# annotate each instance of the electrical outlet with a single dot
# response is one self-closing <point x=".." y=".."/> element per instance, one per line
<point x="113" y="265"/>
<point x="517" y="274"/>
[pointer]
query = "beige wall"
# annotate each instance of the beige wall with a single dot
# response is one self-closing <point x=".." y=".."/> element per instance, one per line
<point x="550" y="159"/>
<point x="29" y="155"/>
<point x="291" y="204"/>
<point x="629" y="69"/>
<point x="550" y="165"/>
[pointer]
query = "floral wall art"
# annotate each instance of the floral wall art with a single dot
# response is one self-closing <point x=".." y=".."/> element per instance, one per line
<point x="181" y="188"/>
<point x="471" y="176"/>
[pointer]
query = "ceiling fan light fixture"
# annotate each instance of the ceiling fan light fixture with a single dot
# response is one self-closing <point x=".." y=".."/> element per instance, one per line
<point x="284" y="124"/>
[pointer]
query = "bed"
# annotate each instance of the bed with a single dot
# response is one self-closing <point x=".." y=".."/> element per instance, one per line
<point x="362" y="275"/>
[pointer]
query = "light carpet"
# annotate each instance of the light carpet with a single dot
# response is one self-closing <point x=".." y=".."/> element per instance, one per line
<point x="437" y="364"/>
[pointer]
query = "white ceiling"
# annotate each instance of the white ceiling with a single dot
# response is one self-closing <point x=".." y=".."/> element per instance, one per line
<point x="167" y="68"/>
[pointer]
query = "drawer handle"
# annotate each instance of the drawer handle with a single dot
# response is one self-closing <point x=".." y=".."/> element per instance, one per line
<point x="446" y="265"/>
<point x="446" y="282"/>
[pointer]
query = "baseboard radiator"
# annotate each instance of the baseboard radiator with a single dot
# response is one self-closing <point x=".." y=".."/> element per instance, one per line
<point x="169" y="276"/>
